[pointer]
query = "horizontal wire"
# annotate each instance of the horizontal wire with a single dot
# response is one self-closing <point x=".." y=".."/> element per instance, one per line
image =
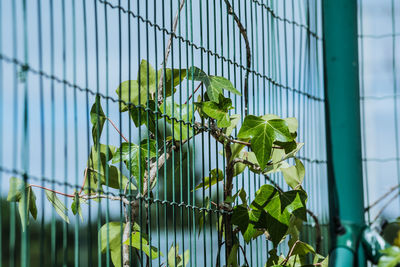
<point x="207" y="51"/>
<point x="381" y="160"/>
<point x="269" y="9"/>
<point x="26" y="67"/>
<point x="379" y="36"/>
<point x="129" y="196"/>
<point x="379" y="97"/>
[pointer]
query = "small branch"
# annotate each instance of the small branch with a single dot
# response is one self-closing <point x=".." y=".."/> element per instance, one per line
<point x="96" y="196"/>
<point x="384" y="207"/>
<point x="244" y="255"/>
<point x="84" y="181"/>
<point x="290" y="253"/>
<point x="125" y="248"/>
<point x="243" y="32"/>
<point x="115" y="127"/>
<point x="193" y="92"/>
<point x="318" y="237"/>
<point x="381" y="198"/>
<point x="51" y="190"/>
<point x="168" y="49"/>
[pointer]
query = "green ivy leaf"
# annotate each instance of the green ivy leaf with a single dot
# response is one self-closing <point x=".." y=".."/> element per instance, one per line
<point x="294" y="175"/>
<point x="147" y="78"/>
<point x="240" y="217"/>
<point x="142" y="243"/>
<point x="149" y="121"/>
<point x="76" y="205"/>
<point x="26" y="200"/>
<point x="292" y="124"/>
<point x="233" y="121"/>
<point x="390" y="258"/>
<point x="98" y="118"/>
<point x="216" y="175"/>
<point x="218" y="111"/>
<point x="111" y="234"/>
<point x="214" y="84"/>
<point x="173" y="77"/>
<point x="262" y="134"/>
<point x="98" y="167"/>
<point x="232" y="259"/>
<point x="203" y="216"/>
<point x="58" y="205"/>
<point x="301" y="249"/>
<point x="279" y="206"/>
<point x="129" y="92"/>
<point x="184" y="112"/>
<point x="175" y="259"/>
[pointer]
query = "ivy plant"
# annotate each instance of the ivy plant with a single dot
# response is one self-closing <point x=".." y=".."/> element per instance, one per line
<point x="263" y="145"/>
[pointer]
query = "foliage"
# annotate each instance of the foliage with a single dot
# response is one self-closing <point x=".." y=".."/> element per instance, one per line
<point x="265" y="144"/>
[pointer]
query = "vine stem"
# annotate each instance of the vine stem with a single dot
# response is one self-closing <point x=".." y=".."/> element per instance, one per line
<point x="193" y="92"/>
<point x="384" y="207"/>
<point x="243" y="32"/>
<point x="382" y="197"/>
<point x="116" y="128"/>
<point x="51" y="190"/>
<point x="168" y="49"/>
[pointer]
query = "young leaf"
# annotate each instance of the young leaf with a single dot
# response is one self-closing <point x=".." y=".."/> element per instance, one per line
<point x="390" y="258"/>
<point x="233" y="121"/>
<point x="183" y="113"/>
<point x="217" y="111"/>
<point x="111" y="234"/>
<point x="216" y="175"/>
<point x="147" y="78"/>
<point x="99" y="170"/>
<point x="214" y="84"/>
<point x="98" y="118"/>
<point x="141" y="243"/>
<point x="76" y="206"/>
<point x="26" y="200"/>
<point x="58" y="205"/>
<point x="294" y="175"/>
<point x="176" y="259"/>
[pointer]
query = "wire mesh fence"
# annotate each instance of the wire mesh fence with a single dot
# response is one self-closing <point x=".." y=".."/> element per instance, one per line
<point x="379" y="72"/>
<point x="63" y="97"/>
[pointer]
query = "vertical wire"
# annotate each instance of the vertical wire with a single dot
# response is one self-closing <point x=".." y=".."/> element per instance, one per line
<point x="157" y="203"/>
<point x="362" y="104"/>
<point x="42" y="132"/>
<point x="108" y="256"/>
<point x="25" y="252"/>
<point x="98" y="131"/>
<point x="1" y="133"/>
<point x="65" y="110"/>
<point x="13" y="254"/>
<point x="52" y="136"/>
<point x="89" y="236"/>
<point x="77" y="224"/>
<point x="394" y="71"/>
<point x="194" y="144"/>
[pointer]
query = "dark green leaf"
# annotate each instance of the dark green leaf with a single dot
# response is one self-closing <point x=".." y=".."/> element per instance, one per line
<point x="232" y="259"/>
<point x="146" y="117"/>
<point x="76" y="206"/>
<point x="214" y="84"/>
<point x="240" y="217"/>
<point x="58" y="205"/>
<point x="98" y="118"/>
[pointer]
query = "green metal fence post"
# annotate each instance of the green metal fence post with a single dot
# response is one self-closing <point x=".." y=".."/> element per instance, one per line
<point x="343" y="129"/>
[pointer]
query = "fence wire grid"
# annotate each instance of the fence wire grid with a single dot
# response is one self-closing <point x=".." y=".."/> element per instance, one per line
<point x="56" y="56"/>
